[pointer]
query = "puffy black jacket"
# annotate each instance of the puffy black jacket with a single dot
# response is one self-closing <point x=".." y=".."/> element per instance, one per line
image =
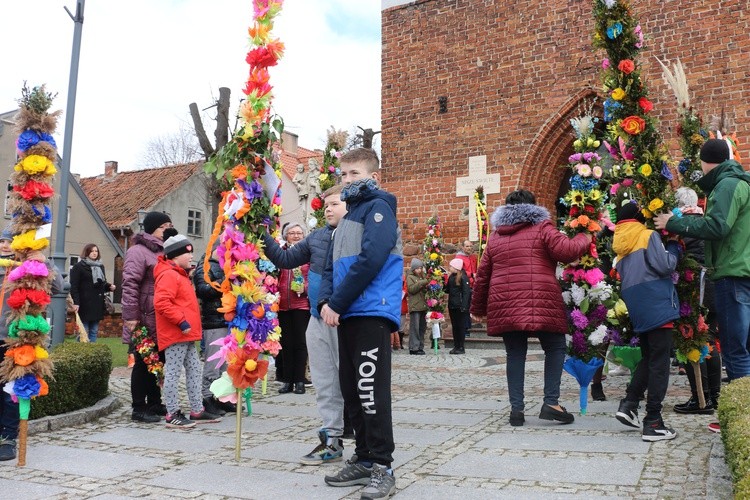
<point x="210" y="298"/>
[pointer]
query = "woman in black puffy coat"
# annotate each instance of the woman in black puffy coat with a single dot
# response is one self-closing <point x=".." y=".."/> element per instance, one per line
<point x="88" y="286"/>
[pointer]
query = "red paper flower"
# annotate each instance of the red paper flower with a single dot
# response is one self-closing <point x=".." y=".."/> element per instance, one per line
<point x="645" y="104"/>
<point x="19" y="297"/>
<point x="626" y="66"/>
<point x="34" y="189"/>
<point x="686" y="331"/>
<point x="244" y="368"/>
<point x="316" y="203"/>
<point x="261" y="57"/>
<point x="633" y="125"/>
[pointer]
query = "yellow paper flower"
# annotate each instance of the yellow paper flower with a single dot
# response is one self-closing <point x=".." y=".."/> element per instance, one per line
<point x="239" y="335"/>
<point x="40" y="352"/>
<point x="27" y="241"/>
<point x="323" y="177"/>
<point x="36" y="164"/>
<point x="620" y="308"/>
<point x="611" y="313"/>
<point x="647" y="213"/>
<point x="645" y="170"/>
<point x="618" y="94"/>
<point x="694" y="355"/>
<point x="655" y="204"/>
<point x="588" y="261"/>
<point x="628" y="169"/>
<point x="577" y="198"/>
<point x="595" y="195"/>
<point x="433" y="256"/>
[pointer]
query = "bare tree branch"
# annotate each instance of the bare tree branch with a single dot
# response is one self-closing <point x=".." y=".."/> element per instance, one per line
<point x="222" y="118"/>
<point x="200" y="132"/>
<point x="171" y="149"/>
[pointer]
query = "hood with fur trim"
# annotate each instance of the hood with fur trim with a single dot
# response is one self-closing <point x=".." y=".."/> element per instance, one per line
<point x="523" y="213"/>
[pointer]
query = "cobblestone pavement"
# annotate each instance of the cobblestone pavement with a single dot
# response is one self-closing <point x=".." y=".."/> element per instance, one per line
<point x="452" y="439"/>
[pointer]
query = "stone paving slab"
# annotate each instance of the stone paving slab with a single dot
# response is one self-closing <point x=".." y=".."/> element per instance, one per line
<point x="253" y="424"/>
<point x="423" y="490"/>
<point x="421" y="437"/>
<point x="271" y="407"/>
<point x="596" y="470"/>
<point x="88" y="463"/>
<point x="292" y="452"/>
<point x="585" y="422"/>
<point x="249" y="482"/>
<point x="29" y="491"/>
<point x="187" y="440"/>
<point x="437" y="418"/>
<point x="431" y="404"/>
<point x="563" y="442"/>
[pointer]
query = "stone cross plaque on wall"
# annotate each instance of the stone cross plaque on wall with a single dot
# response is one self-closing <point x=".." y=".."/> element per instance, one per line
<point x="467" y="186"/>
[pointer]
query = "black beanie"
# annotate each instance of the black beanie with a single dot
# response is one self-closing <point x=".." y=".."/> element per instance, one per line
<point x="715" y="151"/>
<point x="153" y="220"/>
<point x="630" y="210"/>
<point x="176" y="246"/>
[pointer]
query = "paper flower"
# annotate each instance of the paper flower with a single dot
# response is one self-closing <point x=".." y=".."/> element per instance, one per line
<point x="36" y="164"/>
<point x="28" y="268"/>
<point x="633" y="125"/>
<point x="244" y="367"/>
<point x="20" y="296"/>
<point x="30" y="322"/>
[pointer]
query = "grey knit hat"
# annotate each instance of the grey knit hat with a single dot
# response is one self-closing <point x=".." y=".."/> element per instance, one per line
<point x="177" y="245"/>
<point x="416" y="263"/>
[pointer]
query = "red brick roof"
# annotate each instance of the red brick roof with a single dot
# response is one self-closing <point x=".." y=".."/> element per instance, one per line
<point x="118" y="198"/>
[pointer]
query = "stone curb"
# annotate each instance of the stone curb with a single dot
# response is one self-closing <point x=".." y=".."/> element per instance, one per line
<point x="54" y="422"/>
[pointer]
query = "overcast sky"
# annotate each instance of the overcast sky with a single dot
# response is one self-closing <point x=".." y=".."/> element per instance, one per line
<point x="144" y="61"/>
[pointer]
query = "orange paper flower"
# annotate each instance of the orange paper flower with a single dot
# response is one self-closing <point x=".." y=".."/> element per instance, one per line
<point x="22" y="355"/>
<point x="43" y="386"/>
<point x="245" y="369"/>
<point x="633" y="125"/>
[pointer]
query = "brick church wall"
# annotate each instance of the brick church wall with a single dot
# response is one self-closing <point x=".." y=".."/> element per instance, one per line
<point x="513" y="73"/>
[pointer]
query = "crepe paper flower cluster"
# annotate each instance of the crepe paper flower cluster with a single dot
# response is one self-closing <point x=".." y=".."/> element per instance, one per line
<point x="483" y="224"/>
<point x="433" y="261"/>
<point x="145" y="346"/>
<point x="26" y="289"/>
<point x="329" y="173"/>
<point x="249" y="170"/>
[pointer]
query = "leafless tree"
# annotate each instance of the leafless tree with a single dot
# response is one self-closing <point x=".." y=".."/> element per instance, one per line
<point x="171" y="149"/>
<point x="363" y="138"/>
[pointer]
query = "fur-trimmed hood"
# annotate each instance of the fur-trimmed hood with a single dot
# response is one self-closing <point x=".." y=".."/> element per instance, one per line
<point x="523" y="213"/>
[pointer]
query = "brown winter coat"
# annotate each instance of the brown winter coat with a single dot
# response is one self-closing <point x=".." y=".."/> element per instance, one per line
<point x="516" y="287"/>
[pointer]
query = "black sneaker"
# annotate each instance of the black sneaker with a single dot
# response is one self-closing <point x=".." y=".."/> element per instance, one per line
<point x="145" y="416"/>
<point x="516" y="418"/>
<point x="692" y="407"/>
<point x="204" y="417"/>
<point x="179" y="421"/>
<point x="159" y="409"/>
<point x="549" y="413"/>
<point x="7" y="449"/>
<point x="655" y="430"/>
<point x="226" y="406"/>
<point x="627" y="413"/>
<point x="352" y="474"/>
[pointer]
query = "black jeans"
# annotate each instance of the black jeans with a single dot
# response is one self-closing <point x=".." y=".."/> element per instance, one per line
<point x="9" y="413"/>
<point x="293" y="325"/>
<point x="365" y="377"/>
<point x="143" y="385"/>
<point x="458" y="323"/>
<point x="652" y="372"/>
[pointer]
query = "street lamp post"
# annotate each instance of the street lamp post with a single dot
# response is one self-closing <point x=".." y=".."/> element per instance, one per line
<point x="59" y="257"/>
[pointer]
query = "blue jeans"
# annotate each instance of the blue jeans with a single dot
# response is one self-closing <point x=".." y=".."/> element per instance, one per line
<point x="732" y="297"/>
<point x="516" y="345"/>
<point x="92" y="328"/>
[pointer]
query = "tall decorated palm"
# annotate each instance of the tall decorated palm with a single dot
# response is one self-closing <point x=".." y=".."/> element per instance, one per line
<point x="433" y="260"/>
<point x="26" y="289"/>
<point x="248" y="168"/>
<point x="329" y="174"/>
<point x="641" y="165"/>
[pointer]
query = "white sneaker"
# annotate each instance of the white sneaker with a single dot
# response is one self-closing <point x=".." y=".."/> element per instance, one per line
<point x="618" y="370"/>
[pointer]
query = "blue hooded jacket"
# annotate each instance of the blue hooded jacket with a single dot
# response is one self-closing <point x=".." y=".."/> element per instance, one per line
<point x="363" y="275"/>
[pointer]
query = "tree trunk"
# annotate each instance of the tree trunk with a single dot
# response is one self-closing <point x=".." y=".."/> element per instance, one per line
<point x="222" y="118"/>
<point x="205" y="144"/>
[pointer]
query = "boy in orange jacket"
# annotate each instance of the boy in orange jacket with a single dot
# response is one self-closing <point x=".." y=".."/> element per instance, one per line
<point x="178" y="327"/>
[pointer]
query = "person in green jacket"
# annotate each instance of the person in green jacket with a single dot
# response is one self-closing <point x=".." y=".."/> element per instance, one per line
<point x="726" y="228"/>
<point x="416" y="285"/>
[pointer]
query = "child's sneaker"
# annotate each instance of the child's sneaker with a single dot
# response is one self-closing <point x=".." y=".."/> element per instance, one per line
<point x="655" y="430"/>
<point x="352" y="474"/>
<point x="179" y="421"/>
<point x="627" y="413"/>
<point x="330" y="449"/>
<point x="204" y="417"/>
<point x="382" y="483"/>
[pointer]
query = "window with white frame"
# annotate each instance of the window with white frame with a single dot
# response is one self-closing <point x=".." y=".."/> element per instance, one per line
<point x="195" y="222"/>
<point x="73" y="261"/>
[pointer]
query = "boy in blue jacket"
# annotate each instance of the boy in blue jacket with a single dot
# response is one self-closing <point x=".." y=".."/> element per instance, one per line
<point x="645" y="268"/>
<point x="322" y="340"/>
<point x="360" y="293"/>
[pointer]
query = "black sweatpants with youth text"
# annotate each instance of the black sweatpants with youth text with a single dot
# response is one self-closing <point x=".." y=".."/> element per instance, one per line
<point x="365" y="377"/>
